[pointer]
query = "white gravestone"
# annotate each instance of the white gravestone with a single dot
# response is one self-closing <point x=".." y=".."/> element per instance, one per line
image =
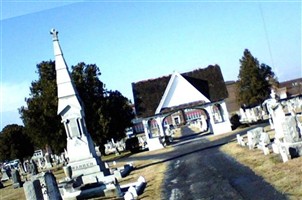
<point x="290" y="130"/>
<point x="253" y="137"/>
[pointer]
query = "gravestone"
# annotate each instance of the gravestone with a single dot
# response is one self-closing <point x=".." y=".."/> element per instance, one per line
<point x="42" y="186"/>
<point x="26" y="166"/>
<point x="21" y="169"/>
<point x="264" y="138"/>
<point x="290" y="131"/>
<point x="240" y="140"/>
<point x="6" y="174"/>
<point x="47" y="161"/>
<point x="83" y="159"/>
<point x="264" y="143"/>
<point x="17" y="183"/>
<point x="33" y="190"/>
<point x="253" y="137"/>
<point x="278" y="116"/>
<point x="283" y="153"/>
<point x="32" y="167"/>
<point x="52" y="189"/>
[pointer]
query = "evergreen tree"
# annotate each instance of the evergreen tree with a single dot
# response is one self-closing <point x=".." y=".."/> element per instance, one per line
<point x="14" y="143"/>
<point x="254" y="81"/>
<point x="91" y="92"/>
<point x="116" y="114"/>
<point x="42" y="124"/>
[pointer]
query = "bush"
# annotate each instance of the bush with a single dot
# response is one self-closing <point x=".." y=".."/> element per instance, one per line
<point x="235" y="121"/>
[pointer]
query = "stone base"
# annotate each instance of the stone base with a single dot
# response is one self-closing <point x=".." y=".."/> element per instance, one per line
<point x="97" y="178"/>
<point x="17" y="185"/>
<point x="275" y="148"/>
<point x="88" y="166"/>
<point x="91" y="191"/>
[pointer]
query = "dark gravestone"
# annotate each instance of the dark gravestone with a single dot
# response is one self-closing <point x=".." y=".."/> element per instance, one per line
<point x="33" y="169"/>
<point x="52" y="189"/>
<point x="17" y="183"/>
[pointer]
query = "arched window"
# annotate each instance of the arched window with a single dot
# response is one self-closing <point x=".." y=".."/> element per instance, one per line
<point x="217" y="113"/>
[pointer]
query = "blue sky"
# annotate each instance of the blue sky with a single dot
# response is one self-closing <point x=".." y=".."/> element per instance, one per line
<point x="137" y="40"/>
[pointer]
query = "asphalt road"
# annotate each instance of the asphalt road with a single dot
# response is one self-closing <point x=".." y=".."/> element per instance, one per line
<point x="200" y="171"/>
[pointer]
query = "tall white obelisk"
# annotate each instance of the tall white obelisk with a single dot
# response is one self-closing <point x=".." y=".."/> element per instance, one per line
<point x="80" y="148"/>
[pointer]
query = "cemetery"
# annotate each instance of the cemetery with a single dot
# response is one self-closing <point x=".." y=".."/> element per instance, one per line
<point x="86" y="175"/>
<point x="285" y="118"/>
<point x="82" y="173"/>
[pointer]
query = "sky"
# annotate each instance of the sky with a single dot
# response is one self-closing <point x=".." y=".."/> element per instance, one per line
<point x="132" y="41"/>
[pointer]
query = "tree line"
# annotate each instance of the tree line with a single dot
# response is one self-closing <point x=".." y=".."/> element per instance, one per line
<point x="107" y="113"/>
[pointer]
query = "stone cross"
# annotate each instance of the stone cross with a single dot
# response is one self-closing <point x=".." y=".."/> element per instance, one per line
<point x="54" y="34"/>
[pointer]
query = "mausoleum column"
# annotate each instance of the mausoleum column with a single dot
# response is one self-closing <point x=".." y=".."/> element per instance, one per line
<point x="146" y="128"/>
<point x="159" y="121"/>
<point x="211" y="118"/>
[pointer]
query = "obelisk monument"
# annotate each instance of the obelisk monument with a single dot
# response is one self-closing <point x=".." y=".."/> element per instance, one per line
<point x="80" y="148"/>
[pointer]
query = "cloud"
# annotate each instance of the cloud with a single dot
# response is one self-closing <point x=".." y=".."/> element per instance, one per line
<point x="13" y="95"/>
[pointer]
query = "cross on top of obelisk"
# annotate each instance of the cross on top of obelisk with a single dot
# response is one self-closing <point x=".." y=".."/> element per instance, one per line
<point x="54" y="34"/>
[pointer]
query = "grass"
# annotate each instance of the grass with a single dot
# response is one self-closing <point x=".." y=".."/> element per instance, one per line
<point x="9" y="193"/>
<point x="153" y="172"/>
<point x="284" y="177"/>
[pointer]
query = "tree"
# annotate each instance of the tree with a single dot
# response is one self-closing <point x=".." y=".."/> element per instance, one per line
<point x="14" y="143"/>
<point x="254" y="81"/>
<point x="116" y="114"/>
<point x="44" y="125"/>
<point x="108" y="113"/>
<point x="91" y="92"/>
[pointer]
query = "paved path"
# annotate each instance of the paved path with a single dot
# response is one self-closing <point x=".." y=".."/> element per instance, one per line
<point x="201" y="171"/>
<point x="198" y="170"/>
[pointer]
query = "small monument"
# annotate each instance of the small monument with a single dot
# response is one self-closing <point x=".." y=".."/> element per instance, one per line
<point x="80" y="148"/>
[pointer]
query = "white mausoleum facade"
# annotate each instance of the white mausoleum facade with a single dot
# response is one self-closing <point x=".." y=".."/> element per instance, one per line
<point x="183" y="102"/>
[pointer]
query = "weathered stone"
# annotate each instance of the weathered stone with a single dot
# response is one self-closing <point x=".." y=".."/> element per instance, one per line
<point x="284" y="154"/>
<point x="17" y="183"/>
<point x="5" y="174"/>
<point x="240" y="140"/>
<point x="290" y="131"/>
<point x="264" y="138"/>
<point x="253" y="137"/>
<point x="33" y="190"/>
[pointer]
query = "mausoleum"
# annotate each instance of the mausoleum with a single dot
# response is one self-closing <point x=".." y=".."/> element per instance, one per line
<point x="196" y="97"/>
